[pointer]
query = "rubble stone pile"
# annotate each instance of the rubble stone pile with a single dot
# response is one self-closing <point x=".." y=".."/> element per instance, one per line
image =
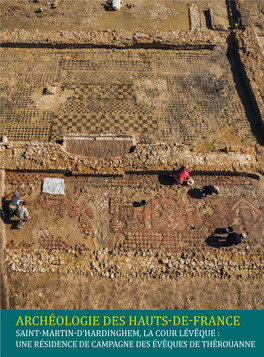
<point x="144" y="264"/>
<point x="107" y="38"/>
<point x="156" y="157"/>
<point x="251" y="59"/>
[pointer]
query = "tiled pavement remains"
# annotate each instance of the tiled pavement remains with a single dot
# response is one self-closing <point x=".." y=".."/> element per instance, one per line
<point x="100" y="212"/>
<point x="185" y="97"/>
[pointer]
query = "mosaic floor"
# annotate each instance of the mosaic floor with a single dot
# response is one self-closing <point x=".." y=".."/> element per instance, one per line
<point x="157" y="95"/>
<point x="103" y="212"/>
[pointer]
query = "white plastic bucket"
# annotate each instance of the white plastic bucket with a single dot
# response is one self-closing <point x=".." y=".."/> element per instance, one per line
<point x="116" y="5"/>
<point x="190" y="182"/>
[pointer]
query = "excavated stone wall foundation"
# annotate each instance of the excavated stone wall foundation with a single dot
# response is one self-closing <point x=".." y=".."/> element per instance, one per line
<point x="137" y="264"/>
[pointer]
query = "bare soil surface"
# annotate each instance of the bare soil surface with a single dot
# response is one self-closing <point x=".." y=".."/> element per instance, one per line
<point x="56" y="291"/>
<point x="86" y="15"/>
<point x="256" y="12"/>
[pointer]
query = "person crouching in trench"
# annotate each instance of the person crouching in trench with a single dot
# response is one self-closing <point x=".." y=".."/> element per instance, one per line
<point x="181" y="175"/>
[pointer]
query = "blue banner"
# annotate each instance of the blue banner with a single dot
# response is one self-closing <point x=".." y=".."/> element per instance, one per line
<point x="97" y="333"/>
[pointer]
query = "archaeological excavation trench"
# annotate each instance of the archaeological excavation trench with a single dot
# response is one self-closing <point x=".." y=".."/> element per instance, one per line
<point x="113" y="114"/>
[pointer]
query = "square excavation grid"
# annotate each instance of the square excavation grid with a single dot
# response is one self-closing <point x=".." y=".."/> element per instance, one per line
<point x="159" y="95"/>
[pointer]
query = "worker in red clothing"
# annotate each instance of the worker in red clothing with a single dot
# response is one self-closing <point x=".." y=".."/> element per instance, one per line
<point x="181" y="175"/>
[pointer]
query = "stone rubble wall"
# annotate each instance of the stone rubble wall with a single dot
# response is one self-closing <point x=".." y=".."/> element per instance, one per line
<point x="106" y="38"/>
<point x="252" y="67"/>
<point x="51" y="157"/>
<point x="195" y="21"/>
<point x="147" y="264"/>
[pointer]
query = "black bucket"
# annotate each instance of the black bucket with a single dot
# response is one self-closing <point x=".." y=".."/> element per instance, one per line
<point x="229" y="229"/>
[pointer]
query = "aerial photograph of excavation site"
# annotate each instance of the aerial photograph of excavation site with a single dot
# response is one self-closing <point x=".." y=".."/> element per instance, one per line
<point x="132" y="154"/>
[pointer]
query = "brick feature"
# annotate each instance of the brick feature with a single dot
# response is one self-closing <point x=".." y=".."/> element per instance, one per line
<point x="100" y="212"/>
<point x="169" y="223"/>
<point x="52" y="243"/>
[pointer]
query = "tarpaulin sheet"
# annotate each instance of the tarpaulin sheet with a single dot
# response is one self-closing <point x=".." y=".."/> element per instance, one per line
<point x="54" y="186"/>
